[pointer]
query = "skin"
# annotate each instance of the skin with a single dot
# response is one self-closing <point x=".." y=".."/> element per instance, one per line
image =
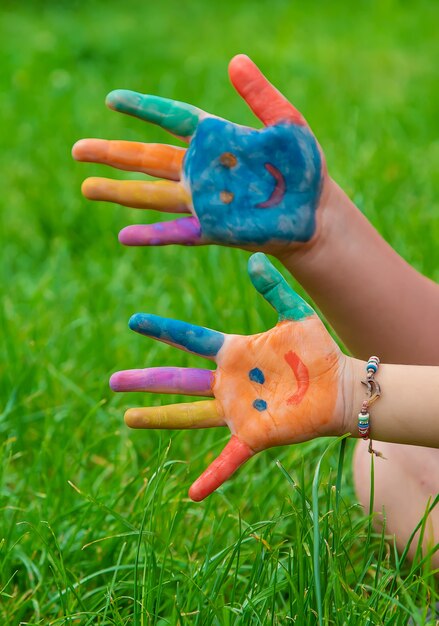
<point x="328" y="264"/>
<point x="407" y="476"/>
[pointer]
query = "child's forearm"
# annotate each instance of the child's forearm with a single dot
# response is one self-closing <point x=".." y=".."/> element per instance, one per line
<point x="408" y="409"/>
<point x="376" y="302"/>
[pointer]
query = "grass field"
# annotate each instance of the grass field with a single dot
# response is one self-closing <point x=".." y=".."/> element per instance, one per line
<point x="96" y="526"/>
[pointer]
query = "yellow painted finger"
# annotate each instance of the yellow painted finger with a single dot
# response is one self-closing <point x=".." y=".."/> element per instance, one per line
<point x="155" y="159"/>
<point x="202" y="414"/>
<point x="161" y="195"/>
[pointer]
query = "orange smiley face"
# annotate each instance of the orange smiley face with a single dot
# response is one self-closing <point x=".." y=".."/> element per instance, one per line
<point x="279" y="387"/>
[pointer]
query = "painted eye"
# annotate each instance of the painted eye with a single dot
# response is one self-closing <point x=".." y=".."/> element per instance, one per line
<point x="228" y="159"/>
<point x="256" y="375"/>
<point x="226" y="197"/>
<point x="260" y="405"/>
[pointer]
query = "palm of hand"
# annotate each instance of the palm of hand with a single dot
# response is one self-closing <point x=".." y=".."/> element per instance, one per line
<point x="251" y="187"/>
<point x="278" y="387"/>
<point x="258" y="189"/>
<point x="274" y="388"/>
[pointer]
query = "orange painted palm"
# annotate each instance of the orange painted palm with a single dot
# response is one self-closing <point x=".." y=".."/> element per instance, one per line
<point x="256" y="189"/>
<point x="279" y="387"/>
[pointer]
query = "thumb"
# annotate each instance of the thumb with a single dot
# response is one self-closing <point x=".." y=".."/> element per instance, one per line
<point x="231" y="458"/>
<point x="274" y="288"/>
<point x="266" y="102"/>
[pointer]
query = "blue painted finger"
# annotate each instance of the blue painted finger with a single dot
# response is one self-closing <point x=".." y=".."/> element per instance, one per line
<point x="196" y="339"/>
<point x="272" y="285"/>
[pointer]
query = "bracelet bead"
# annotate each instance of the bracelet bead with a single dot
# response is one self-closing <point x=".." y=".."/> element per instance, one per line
<point x="374" y="392"/>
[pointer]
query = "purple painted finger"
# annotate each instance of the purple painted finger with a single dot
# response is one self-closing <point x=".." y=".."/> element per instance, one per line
<point x="190" y="381"/>
<point x="185" y="231"/>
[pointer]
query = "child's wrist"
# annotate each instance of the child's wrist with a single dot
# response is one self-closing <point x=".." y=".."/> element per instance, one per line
<point x="303" y="257"/>
<point x="353" y="393"/>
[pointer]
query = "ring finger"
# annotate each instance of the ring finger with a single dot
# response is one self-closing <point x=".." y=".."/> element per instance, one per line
<point x="162" y="195"/>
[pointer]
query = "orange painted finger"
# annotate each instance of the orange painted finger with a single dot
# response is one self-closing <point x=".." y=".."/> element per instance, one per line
<point x="161" y="195"/>
<point x="231" y="458"/>
<point x="266" y="102"/>
<point x="154" y="159"/>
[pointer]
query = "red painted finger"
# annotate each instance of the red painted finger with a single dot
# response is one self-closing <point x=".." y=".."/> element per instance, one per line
<point x="266" y="102"/>
<point x="231" y="458"/>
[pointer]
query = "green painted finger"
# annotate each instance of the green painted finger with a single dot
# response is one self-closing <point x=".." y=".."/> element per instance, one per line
<point x="178" y="118"/>
<point x="272" y="285"/>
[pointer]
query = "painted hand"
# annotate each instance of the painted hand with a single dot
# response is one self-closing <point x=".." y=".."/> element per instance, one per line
<point x="275" y="388"/>
<point x="256" y="189"/>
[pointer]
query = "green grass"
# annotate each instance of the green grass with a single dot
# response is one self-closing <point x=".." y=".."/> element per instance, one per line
<point x="96" y="526"/>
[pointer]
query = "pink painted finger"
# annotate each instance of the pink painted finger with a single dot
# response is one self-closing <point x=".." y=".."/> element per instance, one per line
<point x="231" y="458"/>
<point x="190" y="381"/>
<point x="184" y="231"/>
<point x="266" y="102"/>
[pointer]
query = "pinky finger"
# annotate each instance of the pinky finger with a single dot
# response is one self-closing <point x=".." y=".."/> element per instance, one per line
<point x="185" y="231"/>
<point x="231" y="458"/>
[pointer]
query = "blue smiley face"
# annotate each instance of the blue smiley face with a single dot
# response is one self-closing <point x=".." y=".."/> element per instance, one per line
<point x="254" y="186"/>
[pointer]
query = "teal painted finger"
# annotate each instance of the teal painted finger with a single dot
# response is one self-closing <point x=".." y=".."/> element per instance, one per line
<point x="176" y="117"/>
<point x="272" y="285"/>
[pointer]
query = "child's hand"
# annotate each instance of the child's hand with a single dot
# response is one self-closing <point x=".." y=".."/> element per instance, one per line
<point x="279" y="387"/>
<point x="257" y="189"/>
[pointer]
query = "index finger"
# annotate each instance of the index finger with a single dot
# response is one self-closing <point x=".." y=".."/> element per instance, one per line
<point x="178" y="118"/>
<point x="196" y="339"/>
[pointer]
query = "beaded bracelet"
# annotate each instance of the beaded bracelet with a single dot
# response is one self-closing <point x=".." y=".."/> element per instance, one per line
<point x="374" y="391"/>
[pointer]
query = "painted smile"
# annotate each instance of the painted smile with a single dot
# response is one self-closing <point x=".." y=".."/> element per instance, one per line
<point x="278" y="192"/>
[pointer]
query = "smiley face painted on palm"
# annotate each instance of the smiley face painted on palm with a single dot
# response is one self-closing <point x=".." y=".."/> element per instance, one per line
<point x="254" y="186"/>
<point x="272" y="387"/>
